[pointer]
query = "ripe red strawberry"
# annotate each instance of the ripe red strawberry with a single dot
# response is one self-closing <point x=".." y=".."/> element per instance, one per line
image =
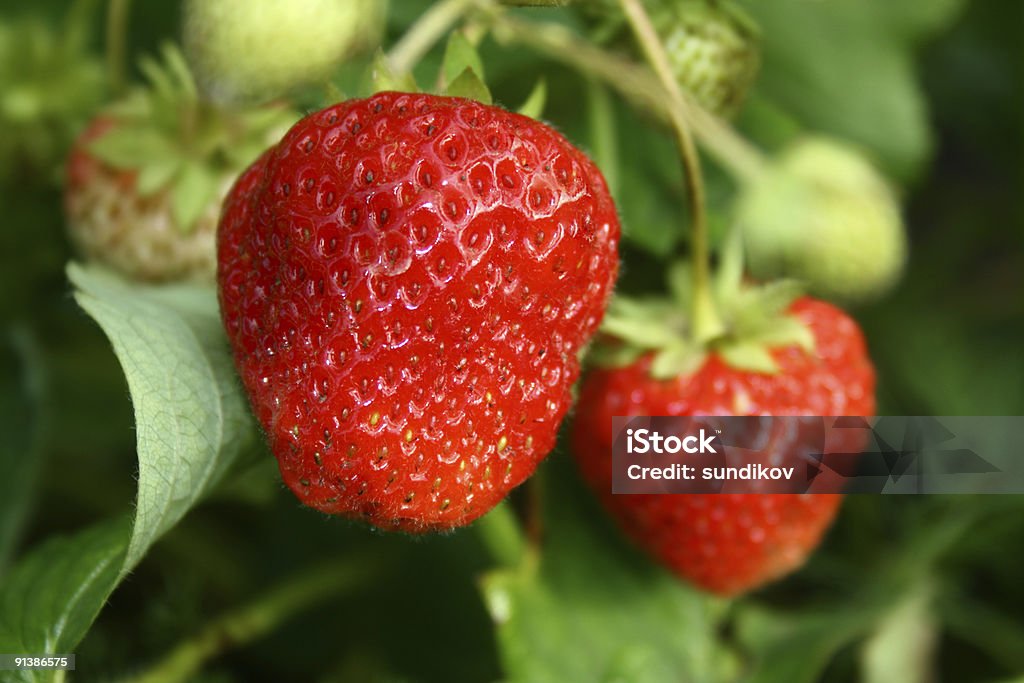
<point x="406" y="281"/>
<point x="730" y="543"/>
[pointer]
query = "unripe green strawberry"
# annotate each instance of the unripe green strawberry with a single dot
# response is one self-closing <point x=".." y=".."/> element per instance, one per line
<point x="246" y="51"/>
<point x="823" y="214"/>
<point x="714" y="51"/>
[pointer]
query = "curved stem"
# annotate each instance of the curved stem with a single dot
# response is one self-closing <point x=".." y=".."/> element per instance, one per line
<point x="256" y="619"/>
<point x="535" y="510"/>
<point x="706" y="322"/>
<point x="500" y="532"/>
<point x="427" y="30"/>
<point x="603" y="139"/>
<point x="634" y="82"/>
<point x="117" y="37"/>
<point x="536" y="3"/>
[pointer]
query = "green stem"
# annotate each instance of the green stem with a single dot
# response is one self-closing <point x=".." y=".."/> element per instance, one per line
<point x="427" y="30"/>
<point x="706" y="322"/>
<point x="535" y="511"/>
<point x="631" y="80"/>
<point x="536" y="3"/>
<point x="117" y="38"/>
<point x="257" y="619"/>
<point x="603" y="139"/>
<point x="499" y="530"/>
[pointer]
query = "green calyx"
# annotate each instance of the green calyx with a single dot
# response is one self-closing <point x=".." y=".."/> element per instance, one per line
<point x="177" y="143"/>
<point x="755" y="322"/>
<point x="461" y="75"/>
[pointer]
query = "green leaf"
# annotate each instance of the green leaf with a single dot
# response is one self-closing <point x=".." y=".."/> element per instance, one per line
<point x="679" y="280"/>
<point x="159" y="78"/>
<point x="155" y="176"/>
<point x="758" y="309"/>
<point x="944" y="364"/>
<point x="787" y="645"/>
<point x="639" y="333"/>
<point x="536" y="3"/>
<point x="917" y="19"/>
<point x="651" y="197"/>
<point x="784" y="331"/>
<point x="902" y="648"/>
<point x="535" y="101"/>
<point x="602" y="131"/>
<point x="612" y="356"/>
<point x="192" y="426"/>
<point x="131" y="147"/>
<point x="267" y="118"/>
<point x="843" y="66"/>
<point x="728" y="278"/>
<point x="192" y="419"/>
<point x="459" y="55"/>
<point x="679" y="359"/>
<point x="594" y="610"/>
<point x="192" y="193"/>
<point x="178" y="69"/>
<point x="796" y="647"/>
<point x="469" y="86"/>
<point x="263" y="126"/>
<point x="169" y="78"/>
<point x="52" y="597"/>
<point x="382" y="77"/>
<point x="749" y="356"/>
<point x="644" y="323"/>
<point x="21" y="405"/>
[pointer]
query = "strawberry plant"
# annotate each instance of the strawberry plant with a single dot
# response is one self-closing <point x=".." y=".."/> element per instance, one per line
<point x="318" y="317"/>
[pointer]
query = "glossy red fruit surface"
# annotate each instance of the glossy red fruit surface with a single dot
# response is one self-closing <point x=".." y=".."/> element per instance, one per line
<point x="406" y="282"/>
<point x="731" y="543"/>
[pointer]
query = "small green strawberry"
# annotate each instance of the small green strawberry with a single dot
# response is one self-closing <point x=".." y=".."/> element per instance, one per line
<point x="243" y="51"/>
<point x="714" y="51"/>
<point x="146" y="179"/>
<point x="823" y="214"/>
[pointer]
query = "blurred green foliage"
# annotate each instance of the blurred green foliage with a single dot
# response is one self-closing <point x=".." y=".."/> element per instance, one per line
<point x="931" y="88"/>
